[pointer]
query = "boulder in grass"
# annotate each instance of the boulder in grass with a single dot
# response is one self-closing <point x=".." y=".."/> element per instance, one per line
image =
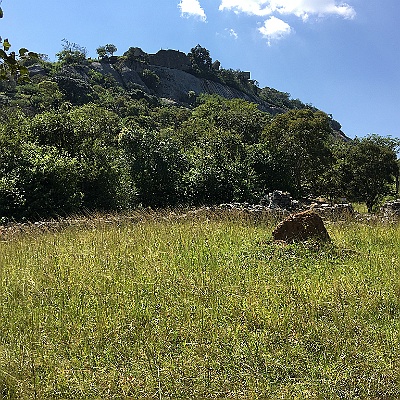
<point x="301" y="227"/>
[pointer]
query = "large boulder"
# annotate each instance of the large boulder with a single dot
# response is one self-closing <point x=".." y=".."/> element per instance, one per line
<point x="301" y="227"/>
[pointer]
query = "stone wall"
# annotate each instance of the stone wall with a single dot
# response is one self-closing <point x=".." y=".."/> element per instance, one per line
<point x="171" y="59"/>
<point x="391" y="208"/>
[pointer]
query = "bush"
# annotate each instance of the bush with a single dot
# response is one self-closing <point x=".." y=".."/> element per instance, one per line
<point x="156" y="165"/>
<point x="151" y="79"/>
<point x="41" y="182"/>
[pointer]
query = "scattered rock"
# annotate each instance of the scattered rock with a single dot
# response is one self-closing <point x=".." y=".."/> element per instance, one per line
<point x="391" y="209"/>
<point x="278" y="199"/>
<point x="344" y="210"/>
<point x="301" y="227"/>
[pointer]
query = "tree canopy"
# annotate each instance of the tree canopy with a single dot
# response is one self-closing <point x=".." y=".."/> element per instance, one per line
<point x="299" y="139"/>
<point x="75" y="139"/>
<point x="368" y="169"/>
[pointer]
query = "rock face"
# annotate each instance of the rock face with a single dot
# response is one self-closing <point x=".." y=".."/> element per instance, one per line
<point x="301" y="227"/>
<point x="176" y="79"/>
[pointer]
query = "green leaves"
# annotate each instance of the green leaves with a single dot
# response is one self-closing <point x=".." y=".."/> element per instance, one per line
<point x="6" y="45"/>
<point x="367" y="169"/>
<point x="22" y="52"/>
<point x="11" y="66"/>
<point x="1" y="13"/>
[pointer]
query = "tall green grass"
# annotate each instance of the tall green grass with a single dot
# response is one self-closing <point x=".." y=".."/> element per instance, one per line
<point x="200" y="308"/>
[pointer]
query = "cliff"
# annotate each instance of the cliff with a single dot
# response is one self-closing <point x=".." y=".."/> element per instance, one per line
<point x="174" y="84"/>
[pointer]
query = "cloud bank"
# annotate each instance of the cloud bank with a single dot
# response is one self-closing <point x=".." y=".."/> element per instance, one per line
<point x="300" y="8"/>
<point x="274" y="28"/>
<point x="192" y="8"/>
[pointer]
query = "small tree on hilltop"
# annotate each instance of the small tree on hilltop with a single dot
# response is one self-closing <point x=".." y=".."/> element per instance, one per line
<point x="110" y="49"/>
<point x="106" y="51"/>
<point x="101" y="52"/>
<point x="71" y="53"/>
<point x="201" y="60"/>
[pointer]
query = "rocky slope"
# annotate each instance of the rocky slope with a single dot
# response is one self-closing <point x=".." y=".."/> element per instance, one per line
<point x="172" y="79"/>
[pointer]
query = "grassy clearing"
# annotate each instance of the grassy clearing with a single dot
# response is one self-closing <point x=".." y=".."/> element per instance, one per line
<point x="200" y="308"/>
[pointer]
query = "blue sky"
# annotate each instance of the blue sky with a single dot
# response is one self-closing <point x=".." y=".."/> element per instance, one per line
<point x="343" y="58"/>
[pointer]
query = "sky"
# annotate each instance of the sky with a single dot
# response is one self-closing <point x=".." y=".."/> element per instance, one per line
<point x="343" y="58"/>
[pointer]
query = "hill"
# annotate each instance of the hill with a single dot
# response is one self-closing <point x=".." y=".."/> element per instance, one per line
<point x="179" y="78"/>
<point x="169" y="129"/>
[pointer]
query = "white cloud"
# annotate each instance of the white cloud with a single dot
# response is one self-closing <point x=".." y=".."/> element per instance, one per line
<point x="252" y="7"/>
<point x="274" y="28"/>
<point x="300" y="8"/>
<point x="192" y="8"/>
<point x="233" y="34"/>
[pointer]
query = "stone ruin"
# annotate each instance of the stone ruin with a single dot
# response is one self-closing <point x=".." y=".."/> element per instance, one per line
<point x="173" y="59"/>
<point x="391" y="209"/>
<point x="301" y="227"/>
<point x="279" y="200"/>
<point x="342" y="210"/>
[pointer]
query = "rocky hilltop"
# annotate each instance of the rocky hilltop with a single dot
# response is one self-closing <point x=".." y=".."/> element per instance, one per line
<point x="170" y="75"/>
<point x="176" y="80"/>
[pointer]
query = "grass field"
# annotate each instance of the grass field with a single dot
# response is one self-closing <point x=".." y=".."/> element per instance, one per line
<point x="200" y="308"/>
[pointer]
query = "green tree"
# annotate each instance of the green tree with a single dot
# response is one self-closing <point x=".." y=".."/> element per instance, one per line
<point x="299" y="141"/>
<point x="71" y="53"/>
<point x="156" y="166"/>
<point x="368" y="169"/>
<point x="201" y="60"/>
<point x="264" y="172"/>
<point x="110" y="49"/>
<point x="101" y="51"/>
<point x="89" y="134"/>
<point x="237" y="116"/>
<point x="36" y="181"/>
<point x="106" y="50"/>
<point x="217" y="172"/>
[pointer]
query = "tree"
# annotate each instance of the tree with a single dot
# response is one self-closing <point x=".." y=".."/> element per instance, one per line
<point x="101" y="51"/>
<point x="299" y="141"/>
<point x="110" y="49"/>
<point x="106" y="51"/>
<point x="368" y="169"/>
<point x="201" y="60"/>
<point x="236" y="115"/>
<point x="156" y="166"/>
<point x="71" y="53"/>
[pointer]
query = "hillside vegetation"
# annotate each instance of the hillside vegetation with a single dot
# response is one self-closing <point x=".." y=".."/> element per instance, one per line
<point x="101" y="134"/>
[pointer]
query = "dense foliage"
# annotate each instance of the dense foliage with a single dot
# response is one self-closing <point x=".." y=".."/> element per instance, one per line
<point x="73" y="139"/>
